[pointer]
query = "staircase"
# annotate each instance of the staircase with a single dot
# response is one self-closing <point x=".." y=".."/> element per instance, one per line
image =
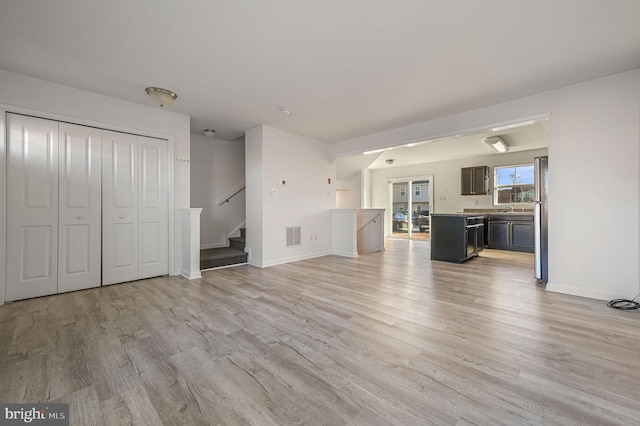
<point x="225" y="256"/>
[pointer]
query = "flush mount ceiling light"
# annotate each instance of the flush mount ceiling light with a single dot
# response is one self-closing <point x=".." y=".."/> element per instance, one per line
<point x="161" y="96"/>
<point x="209" y="133"/>
<point x="285" y="110"/>
<point x="497" y="144"/>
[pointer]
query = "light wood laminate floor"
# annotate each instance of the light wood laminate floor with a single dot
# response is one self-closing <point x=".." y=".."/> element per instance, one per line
<point x="387" y="338"/>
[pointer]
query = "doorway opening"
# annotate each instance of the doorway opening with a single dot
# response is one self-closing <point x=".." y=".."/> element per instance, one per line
<point x="410" y="205"/>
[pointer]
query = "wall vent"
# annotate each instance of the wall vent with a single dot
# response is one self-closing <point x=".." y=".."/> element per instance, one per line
<point x="293" y="236"/>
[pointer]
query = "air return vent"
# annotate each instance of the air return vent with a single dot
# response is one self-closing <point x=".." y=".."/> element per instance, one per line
<point x="293" y="236"/>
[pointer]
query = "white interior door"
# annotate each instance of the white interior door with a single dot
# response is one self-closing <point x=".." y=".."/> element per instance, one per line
<point x="32" y="207"/>
<point x="79" y="225"/>
<point x="119" y="207"/>
<point x="153" y="207"/>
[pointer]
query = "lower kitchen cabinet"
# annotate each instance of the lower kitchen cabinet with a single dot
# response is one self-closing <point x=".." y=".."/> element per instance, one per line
<point x="522" y="235"/>
<point x="511" y="234"/>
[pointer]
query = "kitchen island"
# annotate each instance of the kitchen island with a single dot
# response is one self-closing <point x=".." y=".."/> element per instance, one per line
<point x="456" y="237"/>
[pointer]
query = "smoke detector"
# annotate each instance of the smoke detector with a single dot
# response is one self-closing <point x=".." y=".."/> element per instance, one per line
<point x="390" y="161"/>
<point x="209" y="133"/>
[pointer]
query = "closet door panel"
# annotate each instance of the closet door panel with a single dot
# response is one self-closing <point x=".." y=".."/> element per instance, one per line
<point x="80" y="208"/>
<point x="153" y="207"/>
<point x="120" y="208"/>
<point x="32" y="207"/>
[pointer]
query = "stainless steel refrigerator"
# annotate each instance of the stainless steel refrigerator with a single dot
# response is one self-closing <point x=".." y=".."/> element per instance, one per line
<point x="541" y="237"/>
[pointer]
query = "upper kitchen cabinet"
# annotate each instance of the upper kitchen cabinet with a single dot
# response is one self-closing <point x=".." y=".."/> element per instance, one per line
<point x="475" y="180"/>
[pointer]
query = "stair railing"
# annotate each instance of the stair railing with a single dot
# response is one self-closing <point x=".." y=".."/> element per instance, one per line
<point x="231" y="195"/>
<point x="371" y="220"/>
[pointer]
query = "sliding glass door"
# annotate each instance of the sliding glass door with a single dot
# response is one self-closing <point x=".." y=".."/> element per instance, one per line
<point x="410" y="205"/>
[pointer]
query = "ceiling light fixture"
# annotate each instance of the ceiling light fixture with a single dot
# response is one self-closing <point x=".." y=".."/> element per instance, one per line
<point x="497" y="144"/>
<point x="161" y="96"/>
<point x="209" y="133"/>
<point x="285" y="110"/>
<point x="390" y="161"/>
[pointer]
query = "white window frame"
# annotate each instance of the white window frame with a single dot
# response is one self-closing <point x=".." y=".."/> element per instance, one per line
<point x="496" y="187"/>
<point x="417" y="190"/>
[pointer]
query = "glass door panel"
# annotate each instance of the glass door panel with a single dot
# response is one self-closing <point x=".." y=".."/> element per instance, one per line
<point x="410" y="206"/>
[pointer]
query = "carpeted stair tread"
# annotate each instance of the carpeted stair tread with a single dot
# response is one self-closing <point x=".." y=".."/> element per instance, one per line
<point x="223" y="256"/>
<point x="238" y="242"/>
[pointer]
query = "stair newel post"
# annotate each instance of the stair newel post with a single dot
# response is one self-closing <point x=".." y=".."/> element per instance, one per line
<point x="191" y="243"/>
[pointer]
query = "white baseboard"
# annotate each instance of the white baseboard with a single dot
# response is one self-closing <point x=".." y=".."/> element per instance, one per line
<point x="346" y="253"/>
<point x="290" y="259"/>
<point x="225" y="266"/>
<point x="191" y="275"/>
<point x="583" y="292"/>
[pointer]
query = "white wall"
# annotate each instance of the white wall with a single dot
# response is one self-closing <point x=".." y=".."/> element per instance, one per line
<point x="349" y="193"/>
<point x="305" y="200"/>
<point x="255" y="191"/>
<point x="594" y="178"/>
<point x="344" y="224"/>
<point x="217" y="170"/>
<point x="23" y="94"/>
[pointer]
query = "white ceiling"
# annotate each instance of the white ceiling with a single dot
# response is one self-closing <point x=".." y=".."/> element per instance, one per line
<point x="529" y="136"/>
<point x="345" y="68"/>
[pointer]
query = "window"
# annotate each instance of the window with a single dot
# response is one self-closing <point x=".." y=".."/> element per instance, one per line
<point x="417" y="190"/>
<point x="513" y="184"/>
<point x="403" y="191"/>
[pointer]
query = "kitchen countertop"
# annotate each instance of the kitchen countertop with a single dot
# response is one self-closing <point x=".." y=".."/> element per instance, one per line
<point x="496" y="211"/>
<point x="504" y="213"/>
<point x="459" y="214"/>
<point x="487" y="213"/>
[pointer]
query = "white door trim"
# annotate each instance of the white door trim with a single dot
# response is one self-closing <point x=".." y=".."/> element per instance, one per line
<point x="3" y="201"/>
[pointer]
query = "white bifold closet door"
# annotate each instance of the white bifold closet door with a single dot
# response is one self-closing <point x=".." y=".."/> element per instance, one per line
<point x="53" y="207"/>
<point x="79" y="207"/>
<point x="135" y="207"/>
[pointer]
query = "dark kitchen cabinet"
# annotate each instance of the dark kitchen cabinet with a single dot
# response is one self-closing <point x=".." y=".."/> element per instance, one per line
<point x="475" y="180"/>
<point x="510" y="233"/>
